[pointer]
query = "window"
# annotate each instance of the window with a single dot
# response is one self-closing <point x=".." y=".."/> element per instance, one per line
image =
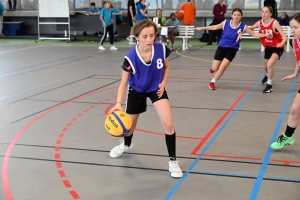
<point x="282" y="4"/>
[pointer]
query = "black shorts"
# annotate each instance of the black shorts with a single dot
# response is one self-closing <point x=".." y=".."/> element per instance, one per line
<point x="270" y="50"/>
<point x="225" y="52"/>
<point x="137" y="102"/>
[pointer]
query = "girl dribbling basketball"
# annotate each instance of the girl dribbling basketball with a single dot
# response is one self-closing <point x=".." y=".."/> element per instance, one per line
<point x="145" y="71"/>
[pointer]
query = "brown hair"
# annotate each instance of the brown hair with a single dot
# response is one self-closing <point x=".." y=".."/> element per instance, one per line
<point x="237" y="9"/>
<point x="296" y="17"/>
<point x="137" y="29"/>
<point x="110" y="3"/>
<point x="270" y="9"/>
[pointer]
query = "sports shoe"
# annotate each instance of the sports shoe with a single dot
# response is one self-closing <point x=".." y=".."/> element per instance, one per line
<point x="175" y="169"/>
<point x="282" y="141"/>
<point x="211" y="71"/>
<point x="212" y="86"/>
<point x="265" y="79"/>
<point x="113" y="48"/>
<point x="268" y="89"/>
<point x="101" y="48"/>
<point x="128" y="38"/>
<point x="117" y="151"/>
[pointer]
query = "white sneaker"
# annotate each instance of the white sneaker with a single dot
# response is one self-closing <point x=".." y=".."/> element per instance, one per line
<point x="128" y="38"/>
<point x="117" y="151"/>
<point x="101" y="48"/>
<point x="175" y="169"/>
<point x="113" y="48"/>
<point x="132" y="43"/>
<point x="189" y="45"/>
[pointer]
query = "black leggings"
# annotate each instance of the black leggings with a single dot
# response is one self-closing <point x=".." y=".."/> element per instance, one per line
<point x="109" y="29"/>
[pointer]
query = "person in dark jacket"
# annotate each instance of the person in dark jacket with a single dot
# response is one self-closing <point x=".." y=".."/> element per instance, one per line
<point x="273" y="4"/>
<point x="284" y="20"/>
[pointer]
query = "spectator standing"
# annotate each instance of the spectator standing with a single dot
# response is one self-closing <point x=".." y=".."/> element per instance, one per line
<point x="107" y="22"/>
<point x="131" y="16"/>
<point x="189" y="10"/>
<point x="219" y="16"/>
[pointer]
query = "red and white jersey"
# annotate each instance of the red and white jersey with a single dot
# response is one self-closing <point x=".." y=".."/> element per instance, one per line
<point x="272" y="40"/>
<point x="296" y="45"/>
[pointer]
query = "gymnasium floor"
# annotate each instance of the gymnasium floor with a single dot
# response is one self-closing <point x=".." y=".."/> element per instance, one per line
<point x="54" y="147"/>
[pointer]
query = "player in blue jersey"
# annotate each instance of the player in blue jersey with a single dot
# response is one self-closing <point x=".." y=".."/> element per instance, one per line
<point x="229" y="43"/>
<point x="145" y="71"/>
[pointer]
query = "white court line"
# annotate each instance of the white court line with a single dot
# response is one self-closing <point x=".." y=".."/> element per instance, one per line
<point x="21" y="49"/>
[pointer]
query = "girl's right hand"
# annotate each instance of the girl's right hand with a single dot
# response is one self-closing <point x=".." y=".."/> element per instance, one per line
<point x="118" y="106"/>
<point x="290" y="77"/>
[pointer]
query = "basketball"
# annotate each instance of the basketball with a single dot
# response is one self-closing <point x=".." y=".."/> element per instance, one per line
<point x="118" y="123"/>
<point x="179" y="15"/>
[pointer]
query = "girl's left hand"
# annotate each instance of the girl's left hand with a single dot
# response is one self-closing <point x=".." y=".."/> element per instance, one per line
<point x="161" y="89"/>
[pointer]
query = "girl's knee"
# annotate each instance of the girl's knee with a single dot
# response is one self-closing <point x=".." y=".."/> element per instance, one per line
<point x="168" y="127"/>
<point x="294" y="111"/>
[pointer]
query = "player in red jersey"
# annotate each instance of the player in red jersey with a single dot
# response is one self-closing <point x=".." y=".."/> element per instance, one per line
<point x="274" y="44"/>
<point x="286" y="137"/>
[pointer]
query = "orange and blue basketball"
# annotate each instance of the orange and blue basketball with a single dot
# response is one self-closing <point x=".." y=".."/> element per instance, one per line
<point x="118" y="123"/>
<point x="179" y="15"/>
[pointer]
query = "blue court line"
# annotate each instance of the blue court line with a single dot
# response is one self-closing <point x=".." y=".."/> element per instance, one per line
<point x="56" y="81"/>
<point x="267" y="157"/>
<point x="211" y="141"/>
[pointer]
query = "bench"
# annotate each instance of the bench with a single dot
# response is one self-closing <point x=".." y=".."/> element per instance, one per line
<point x="287" y="30"/>
<point x="185" y="32"/>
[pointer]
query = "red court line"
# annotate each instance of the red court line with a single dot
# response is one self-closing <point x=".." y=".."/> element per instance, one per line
<point x="67" y="183"/>
<point x="74" y="194"/>
<point x="58" y="164"/>
<point x="5" y="181"/>
<point x="62" y="173"/>
<point x="207" y="136"/>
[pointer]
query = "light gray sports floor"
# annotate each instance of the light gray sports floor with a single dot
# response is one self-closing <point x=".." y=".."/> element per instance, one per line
<point x="54" y="146"/>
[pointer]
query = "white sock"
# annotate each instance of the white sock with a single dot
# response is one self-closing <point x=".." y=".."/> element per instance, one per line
<point x="269" y="82"/>
<point x="266" y="75"/>
<point x="213" y="80"/>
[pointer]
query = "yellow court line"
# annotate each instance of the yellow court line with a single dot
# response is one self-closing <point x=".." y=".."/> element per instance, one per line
<point x="230" y="63"/>
<point x="20" y="49"/>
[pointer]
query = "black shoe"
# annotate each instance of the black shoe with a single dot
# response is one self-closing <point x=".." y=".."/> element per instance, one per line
<point x="265" y="79"/>
<point x="268" y="89"/>
<point x="84" y="33"/>
<point x="209" y="43"/>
